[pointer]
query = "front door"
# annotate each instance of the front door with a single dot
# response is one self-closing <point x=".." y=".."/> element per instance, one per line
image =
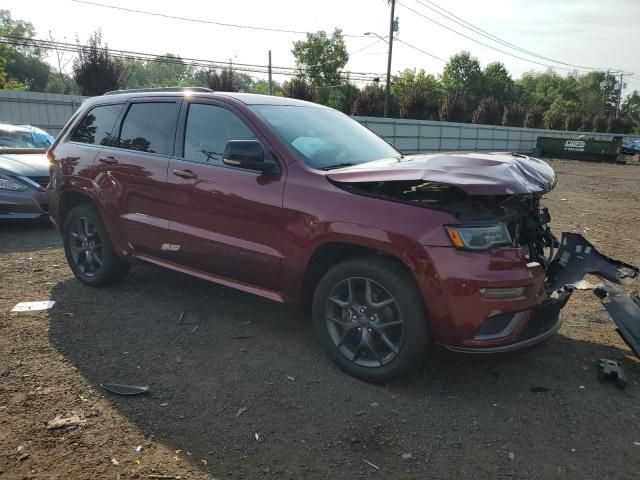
<point x="226" y="221"/>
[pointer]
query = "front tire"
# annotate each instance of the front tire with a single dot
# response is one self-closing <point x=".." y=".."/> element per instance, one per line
<point x="371" y="320"/>
<point x="89" y="250"/>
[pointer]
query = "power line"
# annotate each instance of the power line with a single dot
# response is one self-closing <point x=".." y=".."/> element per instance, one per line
<point x="256" y="68"/>
<point x="421" y="50"/>
<point x="480" y="42"/>
<point x="469" y="26"/>
<point x="198" y="20"/>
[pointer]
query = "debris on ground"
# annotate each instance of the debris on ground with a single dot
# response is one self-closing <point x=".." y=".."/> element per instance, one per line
<point x="611" y="370"/>
<point x="241" y="411"/>
<point x="22" y="453"/>
<point x="539" y="389"/>
<point x="407" y="456"/>
<point x="33" y="306"/>
<point x="124" y="389"/>
<point x="115" y="462"/>
<point x="60" y="422"/>
<point x="371" y="464"/>
<point x="512" y="456"/>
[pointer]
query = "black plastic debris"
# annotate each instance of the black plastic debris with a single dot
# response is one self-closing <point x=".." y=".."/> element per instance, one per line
<point x="122" y="389"/>
<point x="576" y="258"/>
<point x="624" y="310"/>
<point x="611" y="370"/>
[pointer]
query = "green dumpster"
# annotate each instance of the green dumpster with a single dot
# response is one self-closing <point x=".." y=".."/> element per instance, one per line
<point x="579" y="149"/>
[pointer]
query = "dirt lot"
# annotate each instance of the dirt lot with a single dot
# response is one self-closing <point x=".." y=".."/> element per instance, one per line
<point x="540" y="414"/>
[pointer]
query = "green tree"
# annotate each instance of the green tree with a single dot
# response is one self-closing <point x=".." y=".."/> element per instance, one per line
<point x="7" y="83"/>
<point x="489" y="112"/>
<point x="22" y="62"/>
<point x="224" y="80"/>
<point x="342" y="97"/>
<point x="418" y="94"/>
<point x="95" y="70"/>
<point x="631" y="109"/>
<point x="369" y="102"/>
<point x="299" y="88"/>
<point x="321" y="57"/>
<point x="497" y="83"/>
<point x="462" y="74"/>
<point x="453" y="107"/>
<point x="262" y="87"/>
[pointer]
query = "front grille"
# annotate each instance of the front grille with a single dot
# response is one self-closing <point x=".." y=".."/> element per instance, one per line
<point x="42" y="181"/>
<point x="543" y="318"/>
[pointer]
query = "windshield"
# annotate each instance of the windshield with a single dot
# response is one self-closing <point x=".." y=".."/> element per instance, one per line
<point x="324" y="138"/>
<point x="16" y="139"/>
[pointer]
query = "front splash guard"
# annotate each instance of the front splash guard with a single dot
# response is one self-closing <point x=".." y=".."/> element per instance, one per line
<point x="576" y="258"/>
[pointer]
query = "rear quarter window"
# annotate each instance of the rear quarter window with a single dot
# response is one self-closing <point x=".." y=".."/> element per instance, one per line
<point x="96" y="127"/>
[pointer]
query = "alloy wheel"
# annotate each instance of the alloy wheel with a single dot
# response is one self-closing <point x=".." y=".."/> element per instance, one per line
<point x="365" y="322"/>
<point x="85" y="245"/>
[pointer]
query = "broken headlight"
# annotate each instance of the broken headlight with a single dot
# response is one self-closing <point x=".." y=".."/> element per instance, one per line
<point x="478" y="237"/>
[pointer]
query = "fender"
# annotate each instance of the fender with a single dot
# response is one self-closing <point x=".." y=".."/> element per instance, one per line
<point x="299" y="253"/>
<point x="91" y="190"/>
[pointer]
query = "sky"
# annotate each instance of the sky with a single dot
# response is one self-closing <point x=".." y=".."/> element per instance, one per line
<point x="593" y="33"/>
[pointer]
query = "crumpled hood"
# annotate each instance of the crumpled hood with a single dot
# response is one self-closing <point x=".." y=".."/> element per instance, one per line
<point x="24" y="164"/>
<point x="474" y="173"/>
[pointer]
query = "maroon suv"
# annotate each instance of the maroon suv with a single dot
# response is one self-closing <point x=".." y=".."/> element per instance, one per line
<point x="297" y="202"/>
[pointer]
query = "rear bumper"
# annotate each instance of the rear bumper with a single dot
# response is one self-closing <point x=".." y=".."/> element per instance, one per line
<point x="28" y="204"/>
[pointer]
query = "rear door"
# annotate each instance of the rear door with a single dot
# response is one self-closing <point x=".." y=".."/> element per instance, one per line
<point x="226" y="221"/>
<point x="136" y="168"/>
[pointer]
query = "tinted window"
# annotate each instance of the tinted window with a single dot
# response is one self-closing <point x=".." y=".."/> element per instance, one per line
<point x="208" y="130"/>
<point x="324" y="138"/>
<point x="97" y="125"/>
<point x="149" y="127"/>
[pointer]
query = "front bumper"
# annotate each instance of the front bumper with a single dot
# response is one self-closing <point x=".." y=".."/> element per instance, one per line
<point x="536" y="326"/>
<point x="28" y="204"/>
<point x="463" y="320"/>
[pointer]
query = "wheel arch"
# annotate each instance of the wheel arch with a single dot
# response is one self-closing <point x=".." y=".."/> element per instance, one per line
<point x="331" y="253"/>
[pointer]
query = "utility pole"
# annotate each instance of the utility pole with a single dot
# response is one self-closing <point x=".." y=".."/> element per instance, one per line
<point x="392" y="27"/>
<point x="270" y="81"/>
<point x="619" y="94"/>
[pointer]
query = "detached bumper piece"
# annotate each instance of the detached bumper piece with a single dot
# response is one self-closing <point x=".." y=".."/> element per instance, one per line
<point x="624" y="310"/>
<point x="577" y="258"/>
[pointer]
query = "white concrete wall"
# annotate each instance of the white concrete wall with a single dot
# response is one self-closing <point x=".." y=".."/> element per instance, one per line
<point x="414" y="136"/>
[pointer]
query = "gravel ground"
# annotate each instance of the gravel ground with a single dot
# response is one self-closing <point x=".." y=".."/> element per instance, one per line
<point x="240" y="389"/>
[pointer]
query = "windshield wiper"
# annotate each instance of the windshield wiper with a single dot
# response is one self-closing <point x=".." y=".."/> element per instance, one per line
<point x="338" y="165"/>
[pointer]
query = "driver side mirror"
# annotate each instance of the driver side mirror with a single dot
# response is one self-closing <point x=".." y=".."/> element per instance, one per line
<point x="248" y="154"/>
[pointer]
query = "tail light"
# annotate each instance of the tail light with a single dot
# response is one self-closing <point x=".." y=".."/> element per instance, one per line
<point x="50" y="155"/>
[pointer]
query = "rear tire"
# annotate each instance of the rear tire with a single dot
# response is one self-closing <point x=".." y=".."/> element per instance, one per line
<point x="370" y="318"/>
<point x="89" y="250"/>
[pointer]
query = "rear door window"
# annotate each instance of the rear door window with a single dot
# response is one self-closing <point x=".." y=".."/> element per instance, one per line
<point x="96" y="128"/>
<point x="149" y="127"/>
<point x="208" y="130"/>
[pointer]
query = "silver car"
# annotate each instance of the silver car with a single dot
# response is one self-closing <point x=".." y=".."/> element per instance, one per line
<point x="24" y="173"/>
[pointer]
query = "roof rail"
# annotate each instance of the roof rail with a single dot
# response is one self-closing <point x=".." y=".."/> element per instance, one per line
<point x="168" y="89"/>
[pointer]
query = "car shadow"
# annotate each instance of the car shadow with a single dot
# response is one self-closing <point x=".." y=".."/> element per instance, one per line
<point x="241" y="382"/>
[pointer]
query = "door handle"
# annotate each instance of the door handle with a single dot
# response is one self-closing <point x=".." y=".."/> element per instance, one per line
<point x="184" y="174"/>
<point x="108" y="160"/>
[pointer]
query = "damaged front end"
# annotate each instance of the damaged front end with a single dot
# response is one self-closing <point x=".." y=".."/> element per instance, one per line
<point x="497" y="202"/>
